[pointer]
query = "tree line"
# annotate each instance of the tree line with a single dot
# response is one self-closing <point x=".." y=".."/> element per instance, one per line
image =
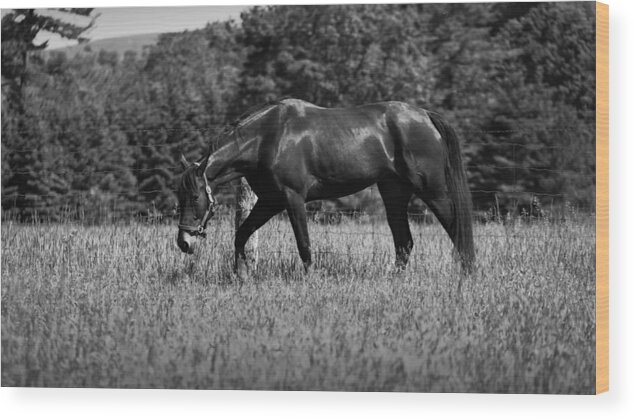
<point x="101" y="133"/>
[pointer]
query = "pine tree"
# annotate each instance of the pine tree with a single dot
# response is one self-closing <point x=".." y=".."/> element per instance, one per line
<point x="30" y="180"/>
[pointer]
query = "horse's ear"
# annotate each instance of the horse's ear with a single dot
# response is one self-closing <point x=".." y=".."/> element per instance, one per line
<point x="184" y="162"/>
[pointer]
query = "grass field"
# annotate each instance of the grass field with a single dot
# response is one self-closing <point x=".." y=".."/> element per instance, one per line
<point x="120" y="306"/>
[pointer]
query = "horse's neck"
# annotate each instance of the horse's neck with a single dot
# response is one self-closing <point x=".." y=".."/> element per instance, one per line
<point x="231" y="161"/>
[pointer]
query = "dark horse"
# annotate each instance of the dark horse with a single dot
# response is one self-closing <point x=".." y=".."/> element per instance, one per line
<point x="292" y="152"/>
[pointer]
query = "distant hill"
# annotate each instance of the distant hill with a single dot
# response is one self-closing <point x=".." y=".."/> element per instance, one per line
<point x="120" y="45"/>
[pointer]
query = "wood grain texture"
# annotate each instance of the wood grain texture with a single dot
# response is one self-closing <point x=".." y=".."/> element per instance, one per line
<point x="602" y="197"/>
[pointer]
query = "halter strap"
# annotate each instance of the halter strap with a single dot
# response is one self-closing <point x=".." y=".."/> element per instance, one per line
<point x="200" y="229"/>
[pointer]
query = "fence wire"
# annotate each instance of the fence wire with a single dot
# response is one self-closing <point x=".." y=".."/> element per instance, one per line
<point x="465" y="142"/>
<point x="111" y="206"/>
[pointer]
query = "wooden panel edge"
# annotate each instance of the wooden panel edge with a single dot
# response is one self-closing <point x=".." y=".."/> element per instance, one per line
<point x="602" y="199"/>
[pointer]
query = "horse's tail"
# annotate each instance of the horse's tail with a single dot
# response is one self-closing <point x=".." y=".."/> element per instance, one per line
<point x="456" y="178"/>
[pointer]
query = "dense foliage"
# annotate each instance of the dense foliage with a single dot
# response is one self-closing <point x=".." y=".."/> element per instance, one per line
<point x="99" y="133"/>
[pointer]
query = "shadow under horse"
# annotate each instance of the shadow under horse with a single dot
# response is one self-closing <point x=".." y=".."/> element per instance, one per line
<point x="292" y="152"/>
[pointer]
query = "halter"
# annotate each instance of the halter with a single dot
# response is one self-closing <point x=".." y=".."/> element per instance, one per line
<point x="200" y="229"/>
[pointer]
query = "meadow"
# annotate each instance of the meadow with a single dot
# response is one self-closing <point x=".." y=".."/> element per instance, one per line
<point x="121" y="306"/>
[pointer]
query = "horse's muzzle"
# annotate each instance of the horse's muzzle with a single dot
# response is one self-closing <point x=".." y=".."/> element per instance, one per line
<point x="186" y="242"/>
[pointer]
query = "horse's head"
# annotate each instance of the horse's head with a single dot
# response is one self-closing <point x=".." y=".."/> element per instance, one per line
<point x="196" y="204"/>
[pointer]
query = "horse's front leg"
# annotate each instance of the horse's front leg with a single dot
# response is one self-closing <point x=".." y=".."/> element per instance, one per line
<point x="297" y="214"/>
<point x="261" y="213"/>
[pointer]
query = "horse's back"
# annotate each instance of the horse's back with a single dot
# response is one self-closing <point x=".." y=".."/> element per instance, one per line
<point x="330" y="152"/>
<point x="410" y="120"/>
<point x="325" y="152"/>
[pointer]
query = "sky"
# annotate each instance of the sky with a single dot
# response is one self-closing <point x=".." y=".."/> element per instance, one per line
<point x="157" y="16"/>
<point x="120" y="21"/>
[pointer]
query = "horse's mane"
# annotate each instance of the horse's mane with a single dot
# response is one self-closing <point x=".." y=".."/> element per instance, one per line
<point x="245" y="118"/>
<point x="254" y="112"/>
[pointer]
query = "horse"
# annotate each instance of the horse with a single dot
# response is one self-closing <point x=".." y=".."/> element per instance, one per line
<point x="292" y="152"/>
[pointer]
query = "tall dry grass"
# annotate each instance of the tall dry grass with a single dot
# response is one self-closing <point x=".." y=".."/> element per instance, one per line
<point x="120" y="306"/>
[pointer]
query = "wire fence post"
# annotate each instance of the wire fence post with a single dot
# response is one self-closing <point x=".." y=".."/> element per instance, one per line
<point x="245" y="200"/>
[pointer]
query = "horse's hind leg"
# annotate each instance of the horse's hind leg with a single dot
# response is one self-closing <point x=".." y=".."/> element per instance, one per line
<point x="442" y="208"/>
<point x="296" y="207"/>
<point x="396" y="196"/>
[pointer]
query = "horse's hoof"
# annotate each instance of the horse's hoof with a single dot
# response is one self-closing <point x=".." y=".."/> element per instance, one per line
<point x="399" y="269"/>
<point x="242" y="276"/>
<point x="241" y="270"/>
